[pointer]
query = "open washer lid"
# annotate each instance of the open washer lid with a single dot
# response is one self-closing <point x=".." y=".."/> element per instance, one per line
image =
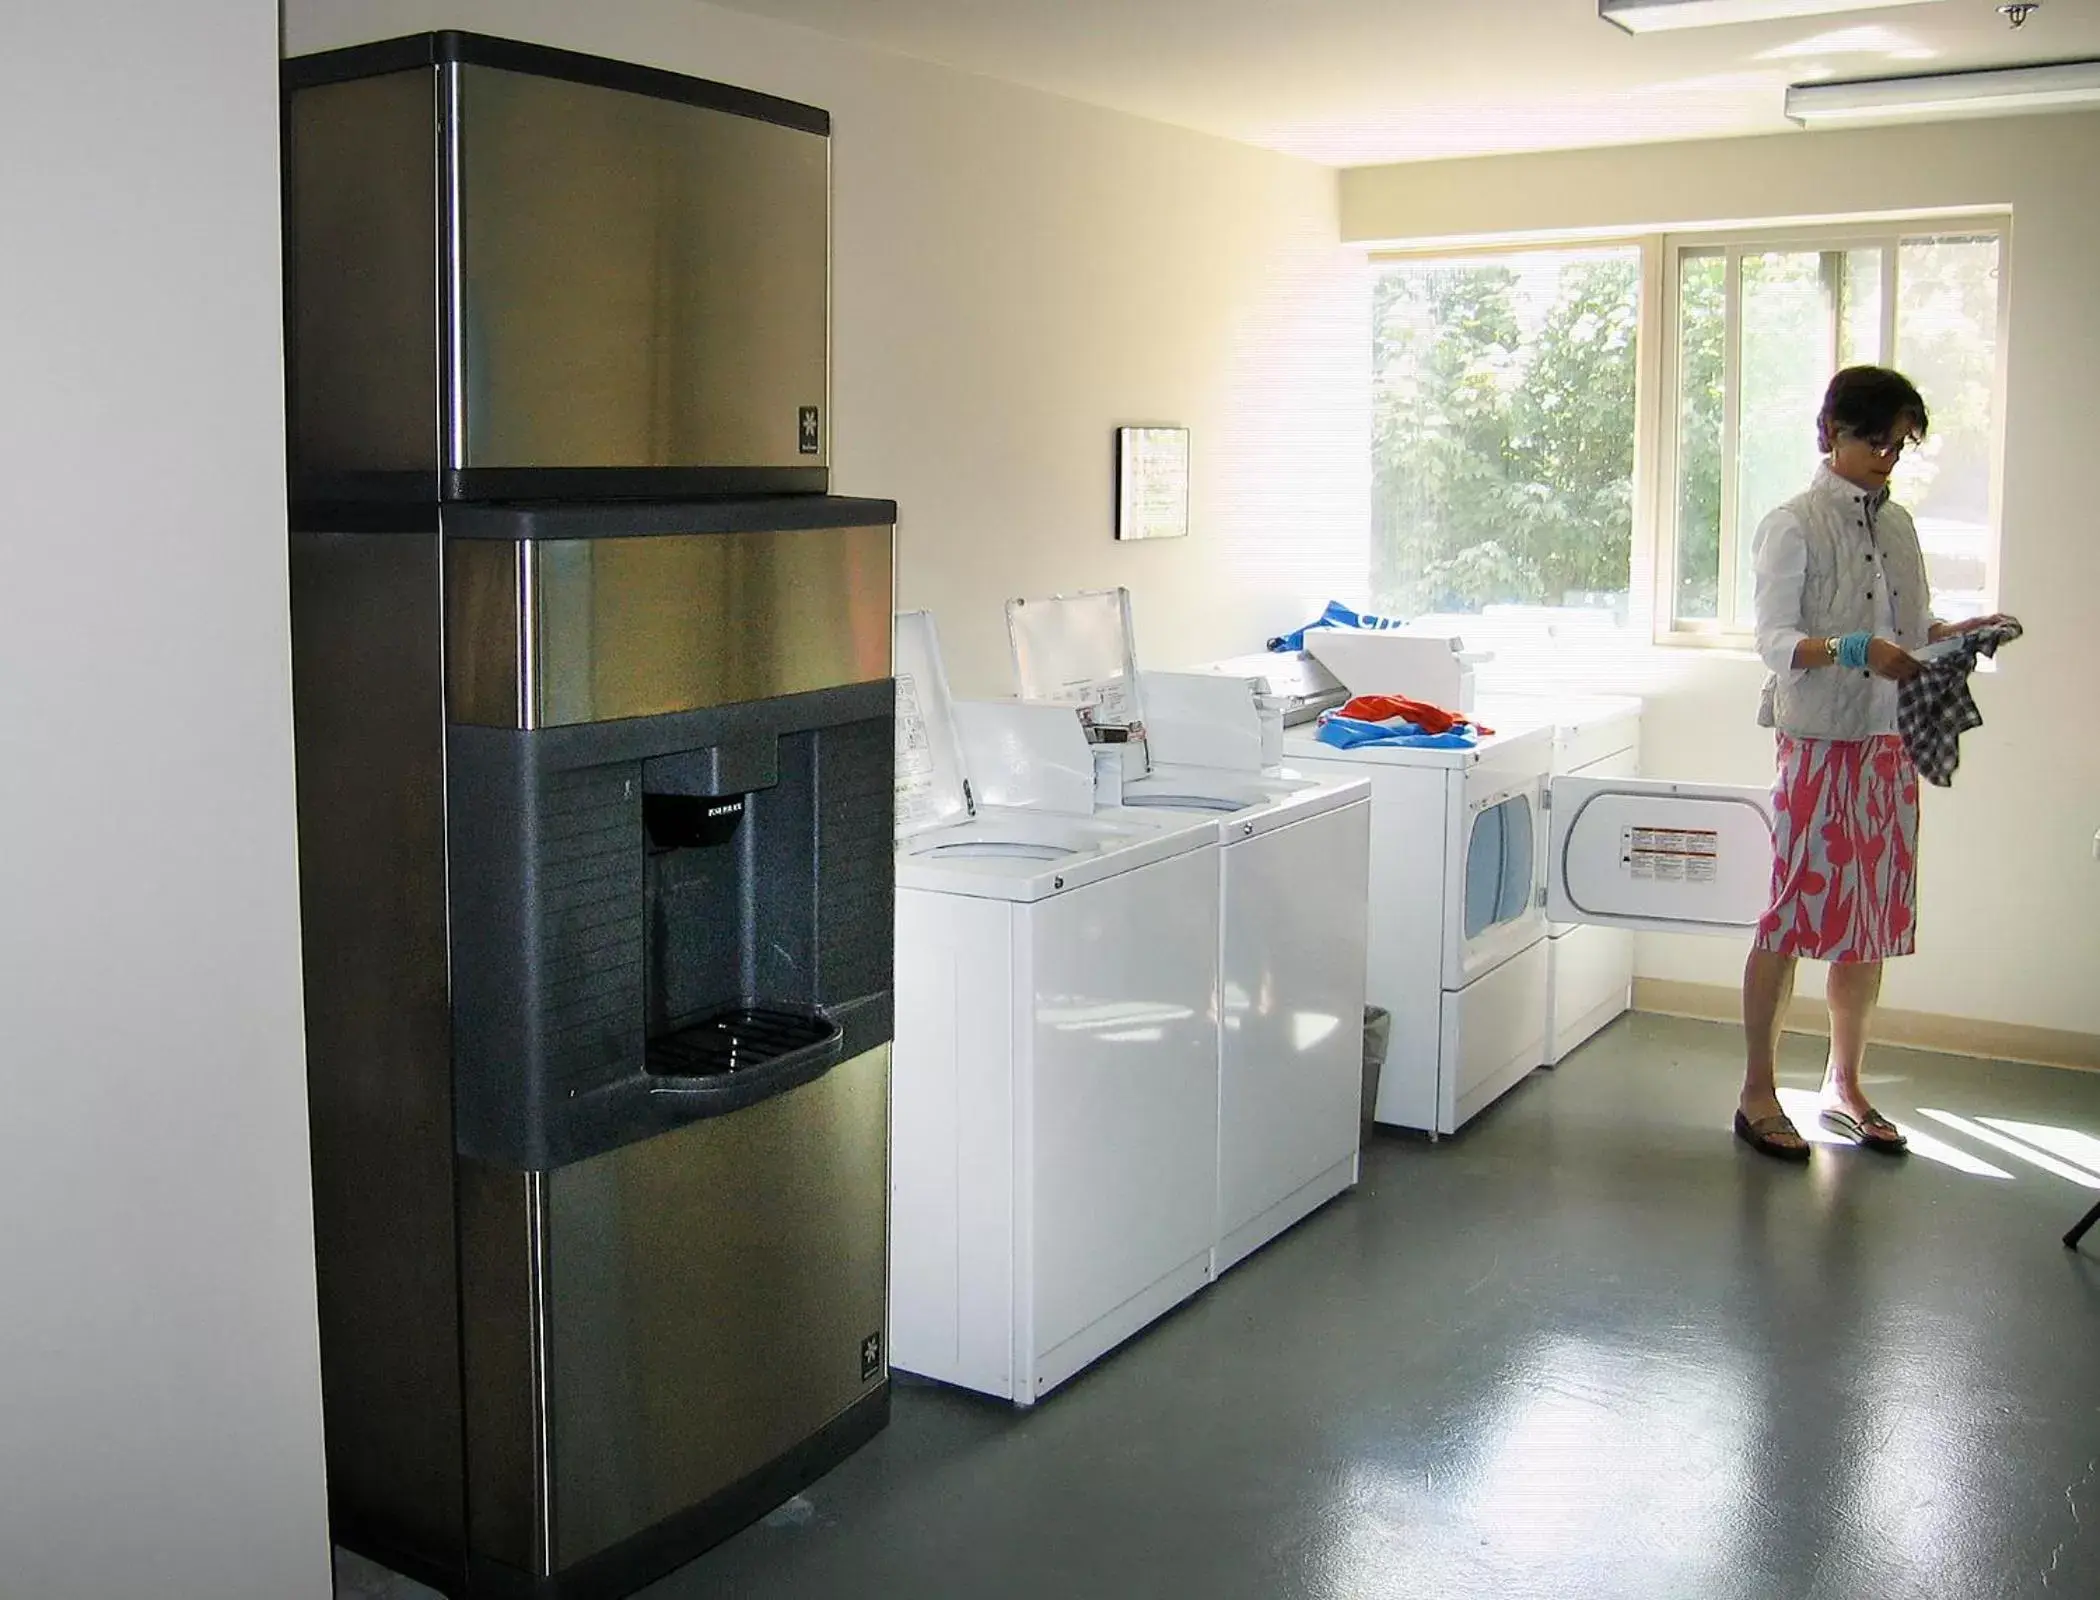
<point x="946" y="841"/>
<point x="933" y="784"/>
<point x="1079" y="647"/>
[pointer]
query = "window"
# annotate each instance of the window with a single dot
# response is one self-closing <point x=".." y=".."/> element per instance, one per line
<point x="1528" y="467"/>
<point x="1503" y="430"/>
<point x="1758" y="328"/>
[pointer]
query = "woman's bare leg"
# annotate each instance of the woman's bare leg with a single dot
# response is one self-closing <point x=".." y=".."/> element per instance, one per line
<point x="1853" y="989"/>
<point x="1768" y="986"/>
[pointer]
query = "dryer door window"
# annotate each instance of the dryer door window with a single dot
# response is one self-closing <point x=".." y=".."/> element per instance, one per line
<point x="1483" y="872"/>
<point x="1500" y="865"/>
<point x="1519" y="859"/>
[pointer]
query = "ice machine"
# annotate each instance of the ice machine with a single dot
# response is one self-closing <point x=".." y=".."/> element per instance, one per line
<point x="595" y="732"/>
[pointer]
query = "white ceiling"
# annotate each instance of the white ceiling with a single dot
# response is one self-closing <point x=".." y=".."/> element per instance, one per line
<point x="1359" y="82"/>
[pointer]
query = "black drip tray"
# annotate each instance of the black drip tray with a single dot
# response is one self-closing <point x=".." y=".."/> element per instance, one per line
<point x="736" y="1040"/>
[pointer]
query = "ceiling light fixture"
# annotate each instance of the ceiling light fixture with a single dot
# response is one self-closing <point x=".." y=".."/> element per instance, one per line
<point x="1993" y="92"/>
<point x="1659" y="16"/>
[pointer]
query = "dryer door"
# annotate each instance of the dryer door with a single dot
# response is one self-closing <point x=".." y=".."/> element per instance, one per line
<point x="1498" y="836"/>
<point x="1665" y="857"/>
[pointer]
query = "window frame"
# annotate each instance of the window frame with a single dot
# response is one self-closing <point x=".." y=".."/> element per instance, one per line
<point x="1646" y="419"/>
<point x="1657" y="497"/>
<point x="1652" y="563"/>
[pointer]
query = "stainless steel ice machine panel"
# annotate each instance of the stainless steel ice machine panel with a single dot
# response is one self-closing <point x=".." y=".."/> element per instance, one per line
<point x="640" y="627"/>
<point x="680" y="1331"/>
<point x="518" y="272"/>
<point x="599" y="1010"/>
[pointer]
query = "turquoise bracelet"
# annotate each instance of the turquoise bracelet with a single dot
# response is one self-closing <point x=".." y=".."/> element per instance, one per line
<point x="1852" y="650"/>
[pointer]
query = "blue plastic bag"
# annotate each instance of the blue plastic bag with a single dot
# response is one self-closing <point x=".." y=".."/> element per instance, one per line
<point x="1336" y="615"/>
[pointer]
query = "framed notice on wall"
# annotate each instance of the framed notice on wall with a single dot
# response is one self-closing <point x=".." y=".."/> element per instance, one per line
<point x="1152" y="483"/>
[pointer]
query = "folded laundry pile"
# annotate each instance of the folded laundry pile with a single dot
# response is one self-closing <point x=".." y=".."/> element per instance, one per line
<point x="1391" y="719"/>
<point x="1336" y="615"/>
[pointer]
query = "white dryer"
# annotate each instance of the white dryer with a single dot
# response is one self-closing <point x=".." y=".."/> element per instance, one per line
<point x="1457" y="933"/>
<point x="1055" y="1080"/>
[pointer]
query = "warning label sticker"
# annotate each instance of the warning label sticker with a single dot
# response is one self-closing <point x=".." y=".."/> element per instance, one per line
<point x="1671" y="855"/>
<point x="915" y="798"/>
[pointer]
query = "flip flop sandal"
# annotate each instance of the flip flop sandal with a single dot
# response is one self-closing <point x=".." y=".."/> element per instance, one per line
<point x="1758" y="1136"/>
<point x="1871" y="1132"/>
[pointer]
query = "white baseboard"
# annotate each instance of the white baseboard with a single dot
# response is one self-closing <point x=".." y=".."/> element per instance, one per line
<point x="1918" y="1030"/>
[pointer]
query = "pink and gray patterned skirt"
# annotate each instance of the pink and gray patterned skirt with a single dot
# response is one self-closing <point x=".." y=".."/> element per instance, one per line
<point x="1845" y="850"/>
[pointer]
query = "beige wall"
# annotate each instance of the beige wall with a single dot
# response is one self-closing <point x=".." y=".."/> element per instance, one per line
<point x="160" y="1406"/>
<point x="2010" y="893"/>
<point x="1016" y="275"/>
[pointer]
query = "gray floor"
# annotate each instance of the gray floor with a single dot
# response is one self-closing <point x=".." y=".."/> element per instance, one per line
<point x="1591" y="1347"/>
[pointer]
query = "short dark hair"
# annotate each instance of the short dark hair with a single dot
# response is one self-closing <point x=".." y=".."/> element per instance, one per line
<point x="1873" y="403"/>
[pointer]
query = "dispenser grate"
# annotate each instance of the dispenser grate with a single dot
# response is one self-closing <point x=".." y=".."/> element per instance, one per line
<point x="736" y="1040"/>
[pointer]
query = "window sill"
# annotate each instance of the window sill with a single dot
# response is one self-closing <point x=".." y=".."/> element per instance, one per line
<point x="1721" y="644"/>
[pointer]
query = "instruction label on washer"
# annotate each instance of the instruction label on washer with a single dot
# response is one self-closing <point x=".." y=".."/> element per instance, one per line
<point x="1105" y="702"/>
<point x="916" y="801"/>
<point x="1671" y="855"/>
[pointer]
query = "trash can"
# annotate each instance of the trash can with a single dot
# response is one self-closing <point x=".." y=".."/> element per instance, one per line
<point x="1378" y="1033"/>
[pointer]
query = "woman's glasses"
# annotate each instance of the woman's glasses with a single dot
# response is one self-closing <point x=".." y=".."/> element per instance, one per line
<point x="1889" y="447"/>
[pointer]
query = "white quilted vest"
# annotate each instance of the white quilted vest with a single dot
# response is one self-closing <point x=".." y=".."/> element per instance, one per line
<point x="1832" y="702"/>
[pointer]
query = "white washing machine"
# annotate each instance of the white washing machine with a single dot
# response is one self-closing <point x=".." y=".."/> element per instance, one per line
<point x="1293" y="884"/>
<point x="1055" y="1079"/>
<point x="1464" y="876"/>
<point x="1589" y="970"/>
<point x="1293" y="866"/>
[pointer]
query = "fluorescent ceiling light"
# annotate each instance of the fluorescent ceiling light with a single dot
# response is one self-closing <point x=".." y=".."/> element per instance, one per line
<point x="1657" y="16"/>
<point x="1995" y="92"/>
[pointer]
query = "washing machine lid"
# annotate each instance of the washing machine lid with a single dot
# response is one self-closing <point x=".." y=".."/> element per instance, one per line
<point x="1021" y="855"/>
<point x="1078" y="647"/>
<point x="933" y="784"/>
<point x="1305" y="687"/>
<point x="1436" y="667"/>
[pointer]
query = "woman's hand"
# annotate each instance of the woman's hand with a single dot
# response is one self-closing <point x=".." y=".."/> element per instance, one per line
<point x="1888" y="659"/>
<point x="1951" y="630"/>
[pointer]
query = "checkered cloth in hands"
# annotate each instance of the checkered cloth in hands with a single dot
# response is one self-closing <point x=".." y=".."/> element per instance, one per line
<point x="1934" y="709"/>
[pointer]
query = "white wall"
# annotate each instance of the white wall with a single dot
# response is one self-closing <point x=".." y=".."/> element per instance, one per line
<point x="2010" y="897"/>
<point x="1016" y="275"/>
<point x="160" y="1428"/>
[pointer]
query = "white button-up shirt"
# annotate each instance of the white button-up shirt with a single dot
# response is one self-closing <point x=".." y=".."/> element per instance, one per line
<point x="1779" y="573"/>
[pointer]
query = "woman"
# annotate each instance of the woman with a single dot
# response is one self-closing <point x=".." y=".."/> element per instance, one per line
<point x="1841" y="600"/>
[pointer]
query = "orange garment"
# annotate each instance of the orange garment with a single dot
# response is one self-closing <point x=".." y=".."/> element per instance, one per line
<point x="1392" y="707"/>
